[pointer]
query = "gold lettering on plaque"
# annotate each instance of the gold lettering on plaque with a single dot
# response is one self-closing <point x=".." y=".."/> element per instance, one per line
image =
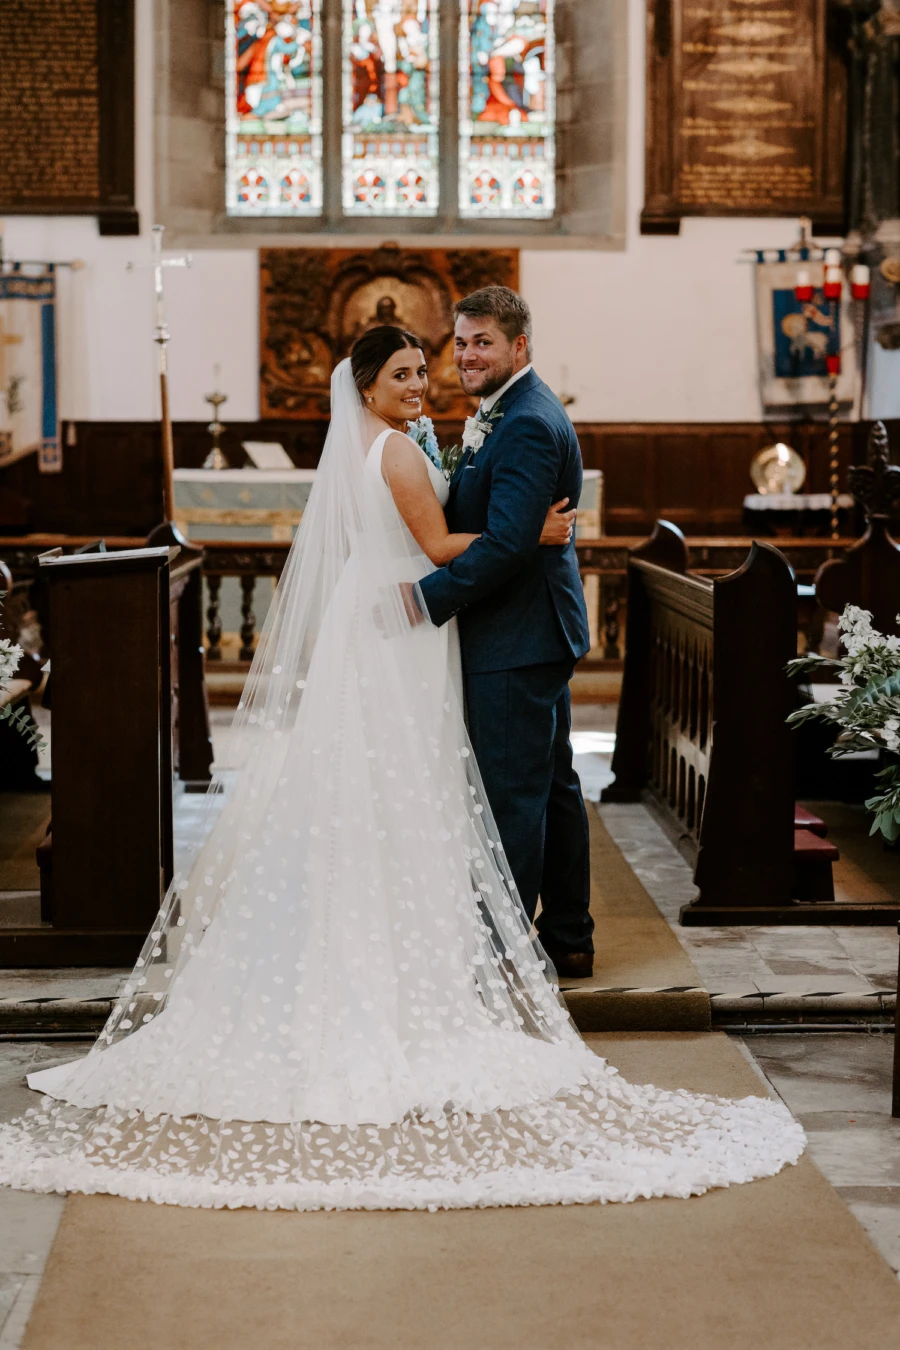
<point x="751" y="149"/>
<point x="752" y="107"/>
<point x="749" y="30"/>
<point x="753" y="67"/>
<point x="738" y="104"/>
<point x="744" y="100"/>
<point x="49" y="110"/>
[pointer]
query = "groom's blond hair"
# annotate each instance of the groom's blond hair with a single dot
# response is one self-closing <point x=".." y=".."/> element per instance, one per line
<point x="506" y="307"/>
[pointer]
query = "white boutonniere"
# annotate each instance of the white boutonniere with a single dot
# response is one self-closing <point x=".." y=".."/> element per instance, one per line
<point x="475" y="433"/>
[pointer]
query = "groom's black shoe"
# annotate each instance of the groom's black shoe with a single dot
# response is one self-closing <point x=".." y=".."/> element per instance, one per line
<point x="570" y="965"/>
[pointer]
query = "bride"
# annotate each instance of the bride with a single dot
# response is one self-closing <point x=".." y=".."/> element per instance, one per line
<point x="343" y="1006"/>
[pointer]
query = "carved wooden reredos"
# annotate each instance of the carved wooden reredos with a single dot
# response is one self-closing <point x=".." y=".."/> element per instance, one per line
<point x="314" y="304"/>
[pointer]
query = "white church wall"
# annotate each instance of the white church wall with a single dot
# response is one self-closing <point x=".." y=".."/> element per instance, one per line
<point x="662" y="331"/>
<point x="884" y="384"/>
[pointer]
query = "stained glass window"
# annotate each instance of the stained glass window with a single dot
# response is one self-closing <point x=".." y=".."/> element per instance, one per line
<point x="391" y="106"/>
<point x="274" y="115"/>
<point x="506" y="108"/>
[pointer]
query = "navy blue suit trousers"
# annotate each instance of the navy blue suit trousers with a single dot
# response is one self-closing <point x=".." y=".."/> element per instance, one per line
<point x="522" y="626"/>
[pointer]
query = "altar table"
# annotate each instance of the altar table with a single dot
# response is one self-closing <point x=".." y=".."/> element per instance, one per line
<point x="263" y="504"/>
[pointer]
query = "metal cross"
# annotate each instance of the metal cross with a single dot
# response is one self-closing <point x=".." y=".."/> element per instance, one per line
<point x="161" y="338"/>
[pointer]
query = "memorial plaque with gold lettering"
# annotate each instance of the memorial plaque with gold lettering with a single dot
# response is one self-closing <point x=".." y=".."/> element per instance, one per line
<point x="746" y="108"/>
<point x="67" y="110"/>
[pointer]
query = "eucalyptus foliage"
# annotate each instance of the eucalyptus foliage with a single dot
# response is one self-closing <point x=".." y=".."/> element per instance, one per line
<point x="865" y="706"/>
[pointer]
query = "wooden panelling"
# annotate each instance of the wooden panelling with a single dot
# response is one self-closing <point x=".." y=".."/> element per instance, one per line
<point x="697" y="474"/>
<point x="694" y="474"/>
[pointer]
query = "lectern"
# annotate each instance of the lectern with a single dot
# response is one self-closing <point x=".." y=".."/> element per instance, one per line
<point x="111" y="791"/>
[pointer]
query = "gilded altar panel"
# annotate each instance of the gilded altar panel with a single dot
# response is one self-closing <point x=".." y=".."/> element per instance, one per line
<point x="315" y="303"/>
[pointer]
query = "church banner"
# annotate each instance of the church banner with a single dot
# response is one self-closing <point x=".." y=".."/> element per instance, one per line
<point x="797" y="337"/>
<point x="29" y="418"/>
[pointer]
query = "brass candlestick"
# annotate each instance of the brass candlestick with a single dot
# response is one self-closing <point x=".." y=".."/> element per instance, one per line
<point x="216" y="457"/>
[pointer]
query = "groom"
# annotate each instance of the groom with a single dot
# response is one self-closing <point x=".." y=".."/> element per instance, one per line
<point x="522" y="619"/>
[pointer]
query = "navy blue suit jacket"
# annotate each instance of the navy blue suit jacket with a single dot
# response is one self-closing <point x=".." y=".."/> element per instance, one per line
<point x="518" y="604"/>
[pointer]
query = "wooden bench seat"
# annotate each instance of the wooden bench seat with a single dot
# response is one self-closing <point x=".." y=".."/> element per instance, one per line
<point x="813" y="857"/>
<point x="805" y="820"/>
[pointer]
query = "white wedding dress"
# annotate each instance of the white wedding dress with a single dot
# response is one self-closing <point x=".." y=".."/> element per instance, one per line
<point x="342" y="1005"/>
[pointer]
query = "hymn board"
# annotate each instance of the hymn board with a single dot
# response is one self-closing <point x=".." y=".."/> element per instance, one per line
<point x="746" y="111"/>
<point x="67" y="110"/>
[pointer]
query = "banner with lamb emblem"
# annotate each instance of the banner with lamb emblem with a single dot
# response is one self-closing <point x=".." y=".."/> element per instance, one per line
<point x="796" y="337"/>
<point x="29" y="419"/>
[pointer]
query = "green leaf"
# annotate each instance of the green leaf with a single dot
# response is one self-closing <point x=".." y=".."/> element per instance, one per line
<point x="813" y="661"/>
<point x="24" y="725"/>
<point x="879" y="690"/>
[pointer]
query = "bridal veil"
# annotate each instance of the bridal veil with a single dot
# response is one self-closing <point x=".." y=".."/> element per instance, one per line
<point x="341" y="1004"/>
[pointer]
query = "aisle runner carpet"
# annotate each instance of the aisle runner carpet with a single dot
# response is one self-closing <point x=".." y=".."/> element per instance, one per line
<point x="643" y="979"/>
<point x="780" y="1264"/>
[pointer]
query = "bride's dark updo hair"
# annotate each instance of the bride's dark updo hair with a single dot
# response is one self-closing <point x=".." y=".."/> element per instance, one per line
<point x="370" y="352"/>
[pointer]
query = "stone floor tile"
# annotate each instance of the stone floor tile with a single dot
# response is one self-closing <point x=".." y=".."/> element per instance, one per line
<point x="28" y="1225"/>
<point x="806" y="965"/>
<point x="882" y="1196"/>
<point x="10" y="1285"/>
<point x="63" y="983"/>
<point x="722" y="938"/>
<point x="865" y="1152"/>
<point x="848" y="1071"/>
<point x="882" y="1223"/>
<point x="17" y="1318"/>
<point x="18" y="1058"/>
<point x="595" y="774"/>
<point x="815" y="943"/>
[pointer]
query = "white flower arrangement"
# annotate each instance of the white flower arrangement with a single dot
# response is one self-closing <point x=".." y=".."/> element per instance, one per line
<point x="10" y="656"/>
<point x="865" y="706"/>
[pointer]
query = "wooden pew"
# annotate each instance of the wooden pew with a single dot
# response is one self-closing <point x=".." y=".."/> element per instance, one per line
<point x="111" y="795"/>
<point x="895" y="1096"/>
<point x="192" y="743"/>
<point x="702" y="735"/>
<point x="868" y="574"/>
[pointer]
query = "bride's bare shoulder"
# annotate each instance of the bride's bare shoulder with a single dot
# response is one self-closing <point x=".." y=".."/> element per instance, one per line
<point x="401" y="455"/>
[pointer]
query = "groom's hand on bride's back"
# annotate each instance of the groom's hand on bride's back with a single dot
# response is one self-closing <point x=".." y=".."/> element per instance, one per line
<point x="398" y="612"/>
<point x="559" y="524"/>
